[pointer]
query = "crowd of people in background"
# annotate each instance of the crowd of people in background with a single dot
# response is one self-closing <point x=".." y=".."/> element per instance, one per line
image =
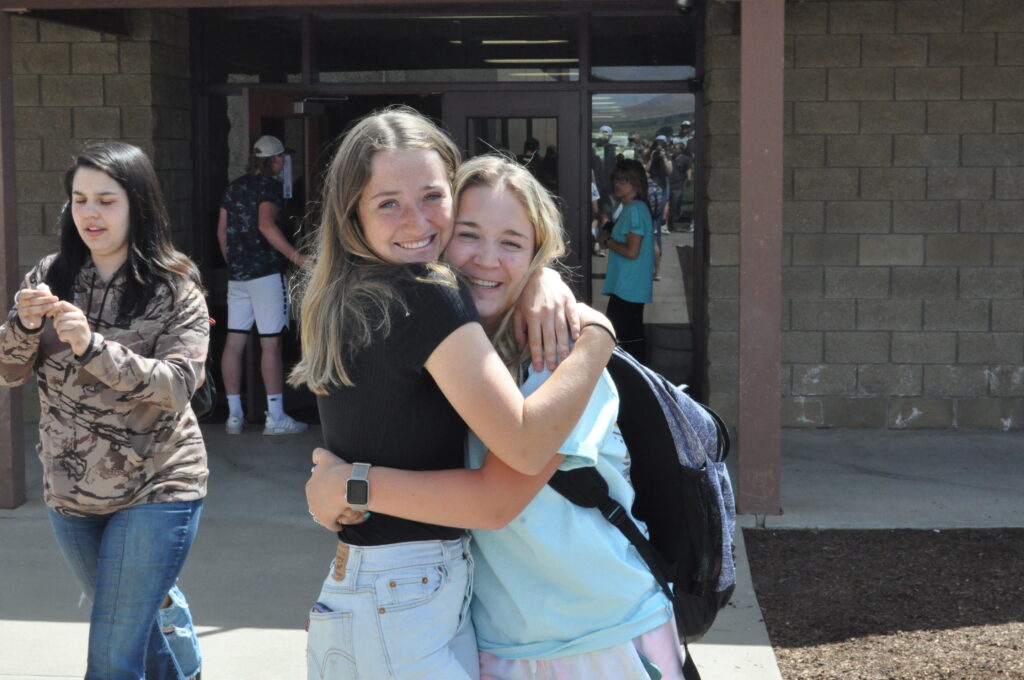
<point x="667" y="158"/>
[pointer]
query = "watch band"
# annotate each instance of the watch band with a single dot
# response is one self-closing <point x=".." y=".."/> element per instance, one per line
<point x="360" y="471"/>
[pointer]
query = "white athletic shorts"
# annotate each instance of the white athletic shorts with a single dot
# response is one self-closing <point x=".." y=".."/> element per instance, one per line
<point x="263" y="301"/>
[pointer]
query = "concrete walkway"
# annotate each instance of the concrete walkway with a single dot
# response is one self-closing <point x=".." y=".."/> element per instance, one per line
<point x="258" y="559"/>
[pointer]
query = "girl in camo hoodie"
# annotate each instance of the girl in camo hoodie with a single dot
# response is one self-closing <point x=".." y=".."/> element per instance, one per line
<point x="115" y="328"/>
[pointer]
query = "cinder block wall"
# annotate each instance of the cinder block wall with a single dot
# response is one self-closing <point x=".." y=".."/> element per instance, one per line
<point x="903" y="262"/>
<point x="73" y="86"/>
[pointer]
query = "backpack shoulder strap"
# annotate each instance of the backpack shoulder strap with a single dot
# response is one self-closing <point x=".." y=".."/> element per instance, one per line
<point x="587" y="488"/>
<point x="724" y="442"/>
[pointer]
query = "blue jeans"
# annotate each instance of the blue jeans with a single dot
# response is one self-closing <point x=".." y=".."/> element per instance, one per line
<point x="176" y="623"/>
<point x="128" y="562"/>
<point x="399" y="612"/>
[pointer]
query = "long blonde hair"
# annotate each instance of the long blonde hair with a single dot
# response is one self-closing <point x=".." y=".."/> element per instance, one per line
<point x="549" y="236"/>
<point x="339" y="297"/>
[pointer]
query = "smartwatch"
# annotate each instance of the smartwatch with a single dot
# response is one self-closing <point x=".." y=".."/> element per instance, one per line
<point x="357" y="489"/>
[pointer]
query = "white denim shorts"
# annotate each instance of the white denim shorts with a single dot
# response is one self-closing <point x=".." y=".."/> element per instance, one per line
<point x="397" y="611"/>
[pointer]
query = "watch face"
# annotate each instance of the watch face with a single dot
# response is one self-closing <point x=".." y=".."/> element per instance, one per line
<point x="357" y="492"/>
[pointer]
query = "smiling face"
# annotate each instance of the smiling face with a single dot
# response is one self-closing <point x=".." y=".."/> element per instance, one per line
<point x="100" y="210"/>
<point x="493" y="246"/>
<point x="406" y="207"/>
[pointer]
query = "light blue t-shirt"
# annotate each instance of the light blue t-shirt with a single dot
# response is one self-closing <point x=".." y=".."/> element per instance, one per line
<point x="560" y="579"/>
<point x="632" y="280"/>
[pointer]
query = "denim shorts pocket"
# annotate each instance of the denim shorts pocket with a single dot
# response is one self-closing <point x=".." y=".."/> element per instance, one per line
<point x="418" y="631"/>
<point x="329" y="646"/>
<point x="400" y="589"/>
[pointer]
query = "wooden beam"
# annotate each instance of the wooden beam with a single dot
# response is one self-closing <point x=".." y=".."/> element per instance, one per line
<point x="389" y="6"/>
<point x="113" y="21"/>
<point x="12" y="454"/>
<point x="760" y="341"/>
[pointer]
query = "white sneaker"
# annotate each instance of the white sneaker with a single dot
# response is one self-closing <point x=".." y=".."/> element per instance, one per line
<point x="234" y="425"/>
<point x="286" y="425"/>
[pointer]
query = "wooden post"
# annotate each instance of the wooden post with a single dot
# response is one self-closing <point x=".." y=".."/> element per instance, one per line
<point x="12" y="454"/>
<point x="760" y="339"/>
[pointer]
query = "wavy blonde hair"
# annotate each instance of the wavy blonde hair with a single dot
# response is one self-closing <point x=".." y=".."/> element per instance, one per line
<point x="349" y="295"/>
<point x="549" y="236"/>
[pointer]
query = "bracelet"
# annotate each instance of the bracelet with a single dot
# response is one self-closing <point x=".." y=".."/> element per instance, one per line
<point x="602" y="327"/>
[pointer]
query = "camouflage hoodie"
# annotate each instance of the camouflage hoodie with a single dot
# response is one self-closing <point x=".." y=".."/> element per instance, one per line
<point x="115" y="425"/>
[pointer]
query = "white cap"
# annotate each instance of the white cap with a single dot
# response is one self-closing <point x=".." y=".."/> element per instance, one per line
<point x="606" y="129"/>
<point x="267" y="146"/>
<point x="685" y="123"/>
<point x="661" y="138"/>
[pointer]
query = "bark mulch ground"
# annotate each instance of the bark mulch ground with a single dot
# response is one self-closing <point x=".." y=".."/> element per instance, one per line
<point x="892" y="605"/>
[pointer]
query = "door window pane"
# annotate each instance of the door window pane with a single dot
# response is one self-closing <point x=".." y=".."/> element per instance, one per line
<point x="654" y="129"/>
<point x="533" y="142"/>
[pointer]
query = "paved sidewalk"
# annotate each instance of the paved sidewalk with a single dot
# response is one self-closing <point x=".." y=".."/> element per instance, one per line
<point x="258" y="560"/>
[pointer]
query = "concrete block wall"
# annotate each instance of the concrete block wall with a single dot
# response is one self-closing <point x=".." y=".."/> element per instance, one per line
<point x="903" y="258"/>
<point x="73" y="86"/>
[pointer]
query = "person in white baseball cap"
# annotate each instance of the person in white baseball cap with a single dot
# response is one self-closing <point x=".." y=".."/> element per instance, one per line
<point x="258" y="254"/>
<point x="269" y="146"/>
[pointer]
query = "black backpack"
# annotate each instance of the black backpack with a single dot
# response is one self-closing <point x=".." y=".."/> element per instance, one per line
<point x="204" y="399"/>
<point x="677" y="450"/>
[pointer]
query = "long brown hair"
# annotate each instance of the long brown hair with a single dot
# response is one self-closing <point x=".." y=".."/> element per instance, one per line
<point x="349" y="280"/>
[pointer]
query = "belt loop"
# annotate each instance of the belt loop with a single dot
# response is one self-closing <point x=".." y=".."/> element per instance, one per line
<point x="355" y="561"/>
<point x="460" y="548"/>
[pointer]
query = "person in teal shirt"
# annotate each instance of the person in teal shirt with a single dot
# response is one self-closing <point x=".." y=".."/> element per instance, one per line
<point x="629" y="283"/>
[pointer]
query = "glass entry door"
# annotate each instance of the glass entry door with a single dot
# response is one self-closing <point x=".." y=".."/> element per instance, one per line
<point x="541" y="130"/>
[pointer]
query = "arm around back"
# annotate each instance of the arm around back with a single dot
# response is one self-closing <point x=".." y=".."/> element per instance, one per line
<point x="522" y="432"/>
<point x="485" y="498"/>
